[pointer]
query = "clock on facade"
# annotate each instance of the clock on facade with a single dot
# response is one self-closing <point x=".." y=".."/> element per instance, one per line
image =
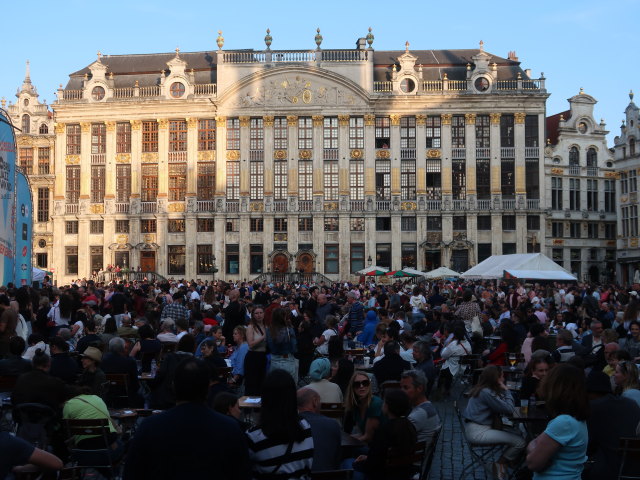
<point x="42" y="243"/>
<point x="482" y="84"/>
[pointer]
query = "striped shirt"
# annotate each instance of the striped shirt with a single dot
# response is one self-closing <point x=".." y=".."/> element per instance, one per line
<point x="267" y="454"/>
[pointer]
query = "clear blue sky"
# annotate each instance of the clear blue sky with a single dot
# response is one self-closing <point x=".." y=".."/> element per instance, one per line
<point x="589" y="43"/>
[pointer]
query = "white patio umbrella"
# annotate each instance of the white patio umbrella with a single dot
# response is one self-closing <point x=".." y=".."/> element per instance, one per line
<point x="441" y="272"/>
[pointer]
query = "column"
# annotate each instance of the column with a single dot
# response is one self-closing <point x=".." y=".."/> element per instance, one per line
<point x="447" y="188"/>
<point x="293" y="154"/>
<point x="494" y="132"/>
<point x="318" y="163"/>
<point x="268" y="157"/>
<point x="394" y="150"/>
<point x="243" y="247"/>
<point x="221" y="168"/>
<point x="191" y="244"/>
<point x="110" y="168"/>
<point x="136" y="166"/>
<point x="421" y="157"/>
<point x="520" y="185"/>
<point x="470" y="154"/>
<point x="163" y="162"/>
<point x="244" y="163"/>
<point x="396" y="241"/>
<point x="369" y="164"/>
<point x="344" y="156"/>
<point x="344" y="254"/>
<point x="192" y="158"/>
<point x="190" y="220"/>
<point x="84" y="267"/>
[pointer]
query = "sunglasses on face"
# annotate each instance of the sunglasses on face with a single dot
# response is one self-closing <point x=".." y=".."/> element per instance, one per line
<point x="363" y="383"/>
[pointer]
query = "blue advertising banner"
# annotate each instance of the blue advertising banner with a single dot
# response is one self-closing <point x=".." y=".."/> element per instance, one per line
<point x="7" y="199"/>
<point x="24" y="231"/>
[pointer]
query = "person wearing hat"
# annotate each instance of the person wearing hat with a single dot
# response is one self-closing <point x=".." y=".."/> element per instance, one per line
<point x="319" y="372"/>
<point x="92" y="375"/>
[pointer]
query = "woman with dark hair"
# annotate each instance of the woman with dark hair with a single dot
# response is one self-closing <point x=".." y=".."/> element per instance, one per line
<point x="341" y="368"/>
<point x="491" y="398"/>
<point x="282" y="343"/>
<point x="509" y="344"/>
<point x="162" y="393"/>
<point x="631" y="343"/>
<point x="255" y="362"/>
<point x="281" y="445"/>
<point x="110" y="329"/>
<point x="536" y="370"/>
<point x="236" y="359"/>
<point x="457" y="348"/>
<point x="561" y="451"/>
<point x="147" y="348"/>
<point x="536" y="330"/>
<point x="8" y="323"/>
<point x="468" y="309"/>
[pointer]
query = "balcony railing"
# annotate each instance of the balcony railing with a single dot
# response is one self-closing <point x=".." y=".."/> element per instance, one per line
<point x="280" y="206"/>
<point x="305" y="205"/>
<point x="256" y="155"/>
<point x="148" y="207"/>
<point x="574" y="169"/>
<point x="98" y="158"/>
<point x="432" y="85"/>
<point x="592" y="171"/>
<point x="72" y="208"/>
<point x="122" y="207"/>
<point x="330" y="154"/>
<point x="509" y="204"/>
<point x="72" y="94"/>
<point x="383" y="205"/>
<point x="408" y="154"/>
<point x="458" y="153"/>
<point x="507" y="85"/>
<point x="507" y="152"/>
<point x="150" y="91"/>
<point x="233" y="206"/>
<point x="177" y="157"/>
<point x="457" y="84"/>
<point x="531" y="152"/>
<point x="484" y="204"/>
<point x="357" y="205"/>
<point x="434" y="205"/>
<point x="459" y="204"/>
<point x="206" y="205"/>
<point x="381" y="87"/>
<point x="483" y="153"/>
<point x="533" y="203"/>
<point x="205" y="89"/>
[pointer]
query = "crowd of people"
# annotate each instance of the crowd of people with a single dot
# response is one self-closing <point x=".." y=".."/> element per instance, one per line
<point x="293" y="346"/>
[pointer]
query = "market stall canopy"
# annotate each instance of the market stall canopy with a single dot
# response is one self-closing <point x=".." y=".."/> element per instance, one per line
<point x="441" y="272"/>
<point x="402" y="273"/>
<point x="38" y="275"/>
<point x="413" y="272"/>
<point x="372" y="271"/>
<point x="534" y="266"/>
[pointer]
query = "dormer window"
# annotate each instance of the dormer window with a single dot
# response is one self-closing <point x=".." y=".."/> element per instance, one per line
<point x="407" y="85"/>
<point x="26" y="123"/>
<point x="632" y="146"/>
<point x="44" y="130"/>
<point x="177" y="89"/>
<point x="97" y="93"/>
<point x="25" y="102"/>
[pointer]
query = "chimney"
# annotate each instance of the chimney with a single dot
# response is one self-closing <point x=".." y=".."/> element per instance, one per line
<point x="361" y="43"/>
<point x="527" y="72"/>
<point x="512" y="56"/>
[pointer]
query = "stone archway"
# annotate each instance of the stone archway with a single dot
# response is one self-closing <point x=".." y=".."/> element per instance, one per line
<point x="305" y="262"/>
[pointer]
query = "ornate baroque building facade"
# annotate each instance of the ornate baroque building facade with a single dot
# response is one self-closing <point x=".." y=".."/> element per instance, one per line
<point x="310" y="160"/>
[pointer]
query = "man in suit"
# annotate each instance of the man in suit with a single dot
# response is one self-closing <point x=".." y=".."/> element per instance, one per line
<point x="594" y="339"/>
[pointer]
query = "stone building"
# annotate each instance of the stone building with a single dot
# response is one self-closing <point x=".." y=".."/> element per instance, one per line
<point x="627" y="162"/>
<point x="267" y="161"/>
<point x="580" y="185"/>
<point x="35" y="155"/>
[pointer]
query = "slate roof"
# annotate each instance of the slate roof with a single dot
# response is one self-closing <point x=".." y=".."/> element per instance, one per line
<point x="553" y="123"/>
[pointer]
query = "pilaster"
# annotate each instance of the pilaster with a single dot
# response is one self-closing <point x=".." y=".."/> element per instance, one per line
<point x="221" y="170"/>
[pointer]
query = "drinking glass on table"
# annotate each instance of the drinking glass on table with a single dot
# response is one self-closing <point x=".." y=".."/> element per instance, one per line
<point x="512" y="360"/>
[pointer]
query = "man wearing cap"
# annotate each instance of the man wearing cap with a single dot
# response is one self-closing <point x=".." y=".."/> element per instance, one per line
<point x="92" y="375"/>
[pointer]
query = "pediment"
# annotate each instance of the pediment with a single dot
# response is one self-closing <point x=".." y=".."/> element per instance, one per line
<point x="294" y="87"/>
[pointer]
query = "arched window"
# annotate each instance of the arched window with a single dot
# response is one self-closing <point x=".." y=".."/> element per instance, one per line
<point x="592" y="157"/>
<point x="632" y="146"/>
<point x="574" y="156"/>
<point x="26" y="123"/>
<point x="44" y="129"/>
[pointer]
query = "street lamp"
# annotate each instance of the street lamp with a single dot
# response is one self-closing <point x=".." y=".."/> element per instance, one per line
<point x="369" y="260"/>
<point x="214" y="268"/>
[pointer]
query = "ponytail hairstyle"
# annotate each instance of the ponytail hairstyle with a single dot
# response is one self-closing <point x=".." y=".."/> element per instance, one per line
<point x="41" y="360"/>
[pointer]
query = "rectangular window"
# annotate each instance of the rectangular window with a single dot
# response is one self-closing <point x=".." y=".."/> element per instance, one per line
<point x="233" y="180"/>
<point x="42" y="260"/>
<point x="356" y="179"/>
<point x="279" y="224"/>
<point x="574" y="193"/>
<point x="233" y="134"/>
<point x="508" y="248"/>
<point x="256" y="224"/>
<point x="533" y="222"/>
<point x="356" y="132"/>
<point x="331" y="180"/>
<point x="484" y="251"/>
<point x="408" y="224"/>
<point x="508" y="222"/>
<point x="331" y="224"/>
<point x="531" y="131"/>
<point x="149" y="183"/>
<point x="484" y="222"/>
<point x="557" y="254"/>
<point x="98" y="179"/>
<point x="256" y="134"/>
<point x="383" y="255"/>
<point x="483" y="179"/>
<point x="624" y="184"/>
<point x="43" y="204"/>
<point x="206" y="224"/>
<point x="483" y="129"/>
<point x="610" y="196"/>
<point x="96" y="226"/>
<point x="557" y="229"/>
<point x="433" y="131"/>
<point x="122" y="226"/>
<point x="507" y="132"/>
<point x="434" y="224"/>
<point x="459" y="223"/>
<point x="610" y="231"/>
<point x="633" y="220"/>
<point x="206" y="180"/>
<point x="150" y="136"/>
<point x="206" y="134"/>
<point x="556" y="193"/>
<point x="434" y="179"/>
<point x="408" y="132"/>
<point x="25" y="160"/>
<point x="232" y="225"/>
<point x="71" y="254"/>
<point x="280" y="133"/>
<point x="280" y="179"/>
<point x="123" y="183"/>
<point x="123" y="137"/>
<point x="532" y="178"/>
<point x="177" y="182"/>
<point x="73" y="141"/>
<point x="148" y="225"/>
<point x="44" y="160"/>
<point x="177" y="135"/>
<point x="574" y="229"/>
<point x="357" y="257"/>
<point x="176" y="225"/>
<point x="305" y="180"/>
<point x="305" y="224"/>
<point x="73" y="184"/>
<point x="330" y="133"/>
<point x="633" y="181"/>
<point x="457" y="131"/>
<point x="305" y="133"/>
<point x="356" y="224"/>
<point x="625" y="221"/>
<point x="592" y="195"/>
<point x="408" y="179"/>
<point x="409" y="255"/>
<point x="71" y="227"/>
<point x="177" y="257"/>
<point x="592" y="230"/>
<point x="508" y="178"/>
<point x="233" y="259"/>
<point x="383" y="179"/>
<point x="256" y="179"/>
<point x="383" y="132"/>
<point x="383" y="224"/>
<point x="459" y="179"/>
<point x="331" y="259"/>
<point x="256" y="258"/>
<point x="205" y="259"/>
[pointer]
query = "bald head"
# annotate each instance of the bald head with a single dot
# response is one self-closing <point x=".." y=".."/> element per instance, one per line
<point x="308" y="400"/>
<point x="234" y="294"/>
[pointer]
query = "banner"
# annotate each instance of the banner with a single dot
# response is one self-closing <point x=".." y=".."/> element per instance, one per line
<point x="24" y="231"/>
<point x="7" y="200"/>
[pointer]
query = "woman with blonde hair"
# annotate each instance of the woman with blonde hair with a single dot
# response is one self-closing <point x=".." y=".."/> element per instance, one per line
<point x="363" y="410"/>
<point x="626" y="379"/>
<point x="255" y="361"/>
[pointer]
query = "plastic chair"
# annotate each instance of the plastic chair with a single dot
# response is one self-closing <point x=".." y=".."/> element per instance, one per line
<point x="425" y="468"/>
<point x="33" y="420"/>
<point x="100" y="458"/>
<point x="399" y="459"/>
<point x="333" y="410"/>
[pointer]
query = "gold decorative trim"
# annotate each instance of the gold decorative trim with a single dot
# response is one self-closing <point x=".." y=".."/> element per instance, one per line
<point x="111" y="126"/>
<point x="59" y="127"/>
<point x="434" y="153"/>
<point x="150" y="157"/>
<point x="176" y="207"/>
<point x="369" y="120"/>
<point x="122" y="239"/>
<point x="307" y="96"/>
<point x="280" y="237"/>
<point x="256" y="207"/>
<point x="383" y="154"/>
<point x="221" y="121"/>
<point x="280" y="154"/>
<point x="244" y="121"/>
<point x="395" y="120"/>
<point x="206" y="155"/>
<point x="610" y="174"/>
<point x="136" y="124"/>
<point x="356" y="153"/>
<point x="162" y="123"/>
<point x="233" y="155"/>
<point x="25" y="141"/>
<point x="267" y="120"/>
<point x="343" y="120"/>
<point x="633" y="242"/>
<point x="408" y="206"/>
<point x="519" y="117"/>
<point x="192" y="123"/>
<point x="149" y="237"/>
<point x="557" y="171"/>
<point x="72" y="160"/>
<point x="446" y="118"/>
<point x="623" y="199"/>
<point x="85" y="127"/>
<point x="304" y="154"/>
<point x="123" y="158"/>
<point x="96" y="208"/>
<point x="331" y="206"/>
<point x="421" y="119"/>
<point x="292" y="120"/>
<point x="317" y="120"/>
<point x="470" y="118"/>
<point x="495" y="118"/>
<point x="558" y="241"/>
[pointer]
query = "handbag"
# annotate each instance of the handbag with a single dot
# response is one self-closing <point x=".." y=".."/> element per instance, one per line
<point x="476" y="326"/>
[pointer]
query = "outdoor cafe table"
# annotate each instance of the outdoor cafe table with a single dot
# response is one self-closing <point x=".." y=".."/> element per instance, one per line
<point x="534" y="420"/>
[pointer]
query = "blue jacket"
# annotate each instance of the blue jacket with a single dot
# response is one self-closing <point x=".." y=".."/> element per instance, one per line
<point x="356" y="318"/>
<point x="367" y="335"/>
